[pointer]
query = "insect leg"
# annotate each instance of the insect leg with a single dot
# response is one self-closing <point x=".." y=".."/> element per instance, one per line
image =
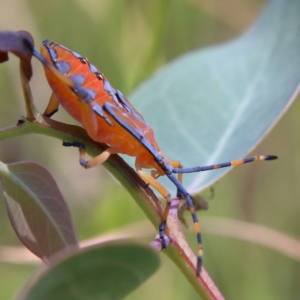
<point x="200" y="203"/>
<point x="191" y="207"/>
<point x="174" y="164"/>
<point x="52" y="107"/>
<point x="177" y="164"/>
<point x="95" y="161"/>
<point x="113" y="111"/>
<point x="165" y="193"/>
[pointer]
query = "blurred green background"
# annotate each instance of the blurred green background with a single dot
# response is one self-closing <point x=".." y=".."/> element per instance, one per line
<point x="129" y="40"/>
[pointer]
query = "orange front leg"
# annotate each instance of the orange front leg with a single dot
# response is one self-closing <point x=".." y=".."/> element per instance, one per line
<point x="52" y="107"/>
<point x="165" y="193"/>
<point x="95" y="161"/>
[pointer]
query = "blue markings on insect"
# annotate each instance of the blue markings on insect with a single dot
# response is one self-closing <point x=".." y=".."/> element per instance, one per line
<point x="87" y="95"/>
<point x="123" y="100"/>
<point x="52" y="52"/>
<point x="107" y="87"/>
<point x="114" y="112"/>
<point x="126" y="104"/>
<point x="121" y="96"/>
<point x="78" y="78"/>
<point x="100" y="112"/>
<point x="75" y="54"/>
<point x="93" y="69"/>
<point x="63" y="67"/>
<point x="64" y="47"/>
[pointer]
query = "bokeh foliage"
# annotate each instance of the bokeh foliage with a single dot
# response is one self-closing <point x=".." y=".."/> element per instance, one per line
<point x="129" y="40"/>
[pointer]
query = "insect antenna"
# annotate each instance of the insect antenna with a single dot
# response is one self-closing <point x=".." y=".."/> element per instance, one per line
<point x="183" y="193"/>
<point x="57" y="73"/>
<point x="224" y="165"/>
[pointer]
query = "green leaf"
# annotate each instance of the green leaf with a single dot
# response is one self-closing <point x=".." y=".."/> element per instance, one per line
<point x="216" y="104"/>
<point x="36" y="208"/>
<point x="108" y="271"/>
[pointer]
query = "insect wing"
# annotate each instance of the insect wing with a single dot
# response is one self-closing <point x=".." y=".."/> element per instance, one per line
<point x="129" y="107"/>
<point x="52" y="107"/>
<point x="124" y="120"/>
<point x="131" y="127"/>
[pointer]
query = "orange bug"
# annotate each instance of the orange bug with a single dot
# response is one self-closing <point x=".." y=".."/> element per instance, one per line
<point x="108" y="117"/>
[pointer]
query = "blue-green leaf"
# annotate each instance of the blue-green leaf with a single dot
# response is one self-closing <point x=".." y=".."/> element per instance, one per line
<point x="216" y="104"/>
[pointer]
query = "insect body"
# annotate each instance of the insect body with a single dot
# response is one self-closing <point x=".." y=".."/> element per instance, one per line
<point x="109" y="118"/>
<point x="99" y="98"/>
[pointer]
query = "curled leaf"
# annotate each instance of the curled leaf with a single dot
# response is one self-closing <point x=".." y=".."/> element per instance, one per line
<point x="37" y="209"/>
<point x="19" y="43"/>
